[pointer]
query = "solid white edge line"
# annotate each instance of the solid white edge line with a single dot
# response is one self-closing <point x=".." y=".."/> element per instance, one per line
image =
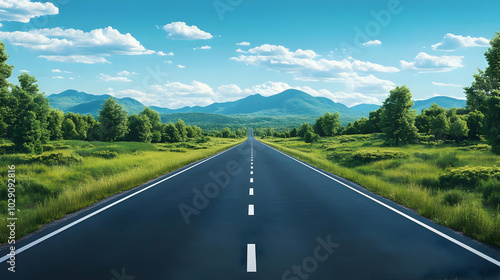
<point x="251" y="191"/>
<point x="250" y="210"/>
<point x="449" y="238"/>
<point x="251" y="258"/>
<point x="41" y="239"/>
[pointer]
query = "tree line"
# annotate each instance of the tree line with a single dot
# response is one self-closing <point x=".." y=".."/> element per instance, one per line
<point x="27" y="119"/>
<point x="401" y="125"/>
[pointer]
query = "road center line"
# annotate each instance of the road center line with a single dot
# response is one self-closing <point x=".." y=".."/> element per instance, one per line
<point x="250" y="210"/>
<point x="251" y="180"/>
<point x="449" y="238"/>
<point x="251" y="191"/>
<point x="251" y="172"/>
<point x="45" y="237"/>
<point x="251" y="167"/>
<point x="251" y="258"/>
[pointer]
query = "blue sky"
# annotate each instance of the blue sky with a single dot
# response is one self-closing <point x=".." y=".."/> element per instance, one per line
<point x="196" y="52"/>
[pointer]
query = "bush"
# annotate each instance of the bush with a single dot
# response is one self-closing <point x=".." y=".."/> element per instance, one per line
<point x="491" y="191"/>
<point x="57" y="159"/>
<point x="447" y="160"/>
<point x="426" y="138"/>
<point x="370" y="156"/>
<point x="453" y="197"/>
<point x="104" y="154"/>
<point x="481" y="147"/>
<point x="468" y="176"/>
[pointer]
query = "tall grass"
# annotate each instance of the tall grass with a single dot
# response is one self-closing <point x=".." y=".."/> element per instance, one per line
<point x="49" y="192"/>
<point x="413" y="181"/>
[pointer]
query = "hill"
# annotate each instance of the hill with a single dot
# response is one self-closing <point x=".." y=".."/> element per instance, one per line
<point x="288" y="108"/>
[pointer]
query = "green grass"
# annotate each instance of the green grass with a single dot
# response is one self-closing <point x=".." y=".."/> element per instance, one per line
<point x="49" y="190"/>
<point x="410" y="175"/>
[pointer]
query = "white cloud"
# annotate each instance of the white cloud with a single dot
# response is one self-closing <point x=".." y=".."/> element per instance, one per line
<point x="446" y="85"/>
<point x="1" y="25"/>
<point x="126" y="73"/>
<point x="241" y="51"/>
<point x="86" y="59"/>
<point x="76" y="46"/>
<point x="181" y="66"/>
<point x="306" y="64"/>
<point x="160" y="53"/>
<point x="453" y="42"/>
<point x="182" y="31"/>
<point x="58" y="77"/>
<point x="425" y="63"/>
<point x="56" y="71"/>
<point x="177" y="95"/>
<point x="168" y="61"/>
<point x="243" y="44"/>
<point x="108" y="78"/>
<point x="24" y="71"/>
<point x="71" y="78"/>
<point x="25" y="10"/>
<point x="203" y="48"/>
<point x="372" y="43"/>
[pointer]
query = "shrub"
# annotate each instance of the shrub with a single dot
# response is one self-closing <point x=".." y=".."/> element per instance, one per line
<point x="453" y="197"/>
<point x="468" y="176"/>
<point x="426" y="138"/>
<point x="178" y="150"/>
<point x="481" y="147"/>
<point x="57" y="159"/>
<point x="347" y="139"/>
<point x="104" y="154"/>
<point x="447" y="160"/>
<point x="491" y="191"/>
<point x="370" y="156"/>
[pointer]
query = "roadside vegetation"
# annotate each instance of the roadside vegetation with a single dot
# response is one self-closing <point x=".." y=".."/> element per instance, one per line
<point x="443" y="163"/>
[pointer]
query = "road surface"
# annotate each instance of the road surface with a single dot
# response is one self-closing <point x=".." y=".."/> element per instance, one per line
<point x="250" y="212"/>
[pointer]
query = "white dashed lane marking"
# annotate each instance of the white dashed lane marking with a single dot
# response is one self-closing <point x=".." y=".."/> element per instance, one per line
<point x="250" y="210"/>
<point x="251" y="258"/>
<point x="251" y="191"/>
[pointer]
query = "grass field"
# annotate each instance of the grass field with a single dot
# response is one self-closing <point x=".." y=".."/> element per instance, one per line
<point x="72" y="175"/>
<point x="422" y="177"/>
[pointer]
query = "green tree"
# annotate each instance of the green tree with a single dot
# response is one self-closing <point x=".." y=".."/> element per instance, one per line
<point x="303" y="129"/>
<point x="139" y="128"/>
<point x="182" y="129"/>
<point x="226" y="132"/>
<point x="293" y="132"/>
<point x="459" y="129"/>
<point x="440" y="126"/>
<point x="331" y="124"/>
<point x="28" y="135"/>
<point x="484" y="94"/>
<point x="7" y="100"/>
<point x="156" y="125"/>
<point x="69" y="130"/>
<point x="318" y="126"/>
<point x="55" y="121"/>
<point x="374" y="121"/>
<point x="29" y="99"/>
<point x="475" y="121"/>
<point x="112" y="121"/>
<point x="311" y="137"/>
<point x="398" y="120"/>
<point x="170" y="134"/>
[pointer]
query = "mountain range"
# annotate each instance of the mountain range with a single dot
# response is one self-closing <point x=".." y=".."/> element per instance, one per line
<point x="254" y="108"/>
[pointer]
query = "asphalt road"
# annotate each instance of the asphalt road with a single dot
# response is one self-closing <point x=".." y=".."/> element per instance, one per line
<point x="250" y="212"/>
